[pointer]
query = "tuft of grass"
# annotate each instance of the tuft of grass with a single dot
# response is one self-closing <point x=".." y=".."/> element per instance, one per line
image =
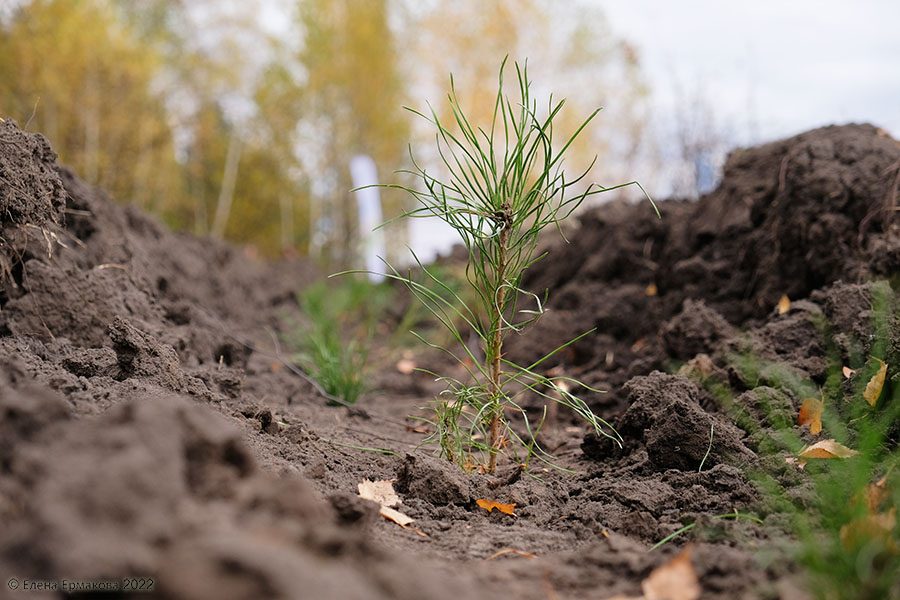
<point x="503" y="184"/>
<point x="841" y="512"/>
<point x="333" y="345"/>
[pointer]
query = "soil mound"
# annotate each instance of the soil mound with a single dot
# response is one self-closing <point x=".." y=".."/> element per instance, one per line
<point x="789" y="218"/>
<point x="30" y="189"/>
<point x="162" y="486"/>
<point x="112" y="328"/>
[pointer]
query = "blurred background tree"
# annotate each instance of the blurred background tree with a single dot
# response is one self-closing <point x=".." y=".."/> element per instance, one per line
<point x="239" y="119"/>
<point x="352" y="93"/>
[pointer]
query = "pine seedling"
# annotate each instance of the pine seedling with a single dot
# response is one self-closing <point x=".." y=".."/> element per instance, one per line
<point x="504" y="185"/>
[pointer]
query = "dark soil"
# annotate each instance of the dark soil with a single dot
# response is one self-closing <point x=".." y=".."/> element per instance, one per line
<point x="151" y="426"/>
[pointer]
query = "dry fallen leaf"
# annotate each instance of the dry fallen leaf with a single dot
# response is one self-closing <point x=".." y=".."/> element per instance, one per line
<point x="651" y="290"/>
<point x="675" y="580"/>
<point x="490" y="505"/>
<point x="876" y="384"/>
<point x="784" y="304"/>
<point x="513" y="551"/>
<point x="876" y="494"/>
<point x="396" y="516"/>
<point x="423" y="429"/>
<point x="848" y="372"/>
<point x="878" y="522"/>
<point x="811" y="414"/>
<point x="381" y="492"/>
<point x="868" y="528"/>
<point x="406" y="366"/>
<point x="827" y="449"/>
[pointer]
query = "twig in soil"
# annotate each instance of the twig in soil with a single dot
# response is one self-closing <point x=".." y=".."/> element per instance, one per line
<point x="384" y="451"/>
<point x="513" y="551"/>
<point x="712" y="426"/>
<point x="378" y="436"/>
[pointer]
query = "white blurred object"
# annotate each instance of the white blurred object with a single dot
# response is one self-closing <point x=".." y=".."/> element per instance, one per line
<point x="364" y="173"/>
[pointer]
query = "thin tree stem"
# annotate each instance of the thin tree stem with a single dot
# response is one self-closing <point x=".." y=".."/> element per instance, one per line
<point x="496" y="347"/>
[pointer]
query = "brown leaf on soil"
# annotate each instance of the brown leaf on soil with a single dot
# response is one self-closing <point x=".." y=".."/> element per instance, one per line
<point x="876" y="384"/>
<point x="675" y="580"/>
<point x="827" y="449"/>
<point x="876" y="494"/>
<point x="406" y="366"/>
<point x="874" y="497"/>
<point x="878" y="522"/>
<point x="490" y="505"/>
<point x="848" y="372"/>
<point x="506" y="551"/>
<point x="869" y="528"/>
<point x="811" y="414"/>
<point x="381" y="492"/>
<point x="784" y="304"/>
<point x="651" y="290"/>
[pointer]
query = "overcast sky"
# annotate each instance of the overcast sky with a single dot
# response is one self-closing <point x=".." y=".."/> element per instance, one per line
<point x="771" y="68"/>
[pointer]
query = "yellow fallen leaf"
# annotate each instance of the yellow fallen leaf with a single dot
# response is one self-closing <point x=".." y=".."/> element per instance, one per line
<point x="395" y="515"/>
<point x="675" y="580"/>
<point x="827" y="449"/>
<point x="784" y="304"/>
<point x="811" y="414"/>
<point x="381" y="492"/>
<point x="651" y="290"/>
<point x="490" y="505"/>
<point x="876" y="384"/>
<point x="848" y="372"/>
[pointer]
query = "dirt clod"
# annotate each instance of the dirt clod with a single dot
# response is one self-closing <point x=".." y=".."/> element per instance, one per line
<point x="437" y="482"/>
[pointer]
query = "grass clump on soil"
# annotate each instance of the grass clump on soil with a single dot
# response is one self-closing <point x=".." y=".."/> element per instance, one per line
<point x="333" y="344"/>
<point x="841" y="511"/>
<point x="504" y="184"/>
